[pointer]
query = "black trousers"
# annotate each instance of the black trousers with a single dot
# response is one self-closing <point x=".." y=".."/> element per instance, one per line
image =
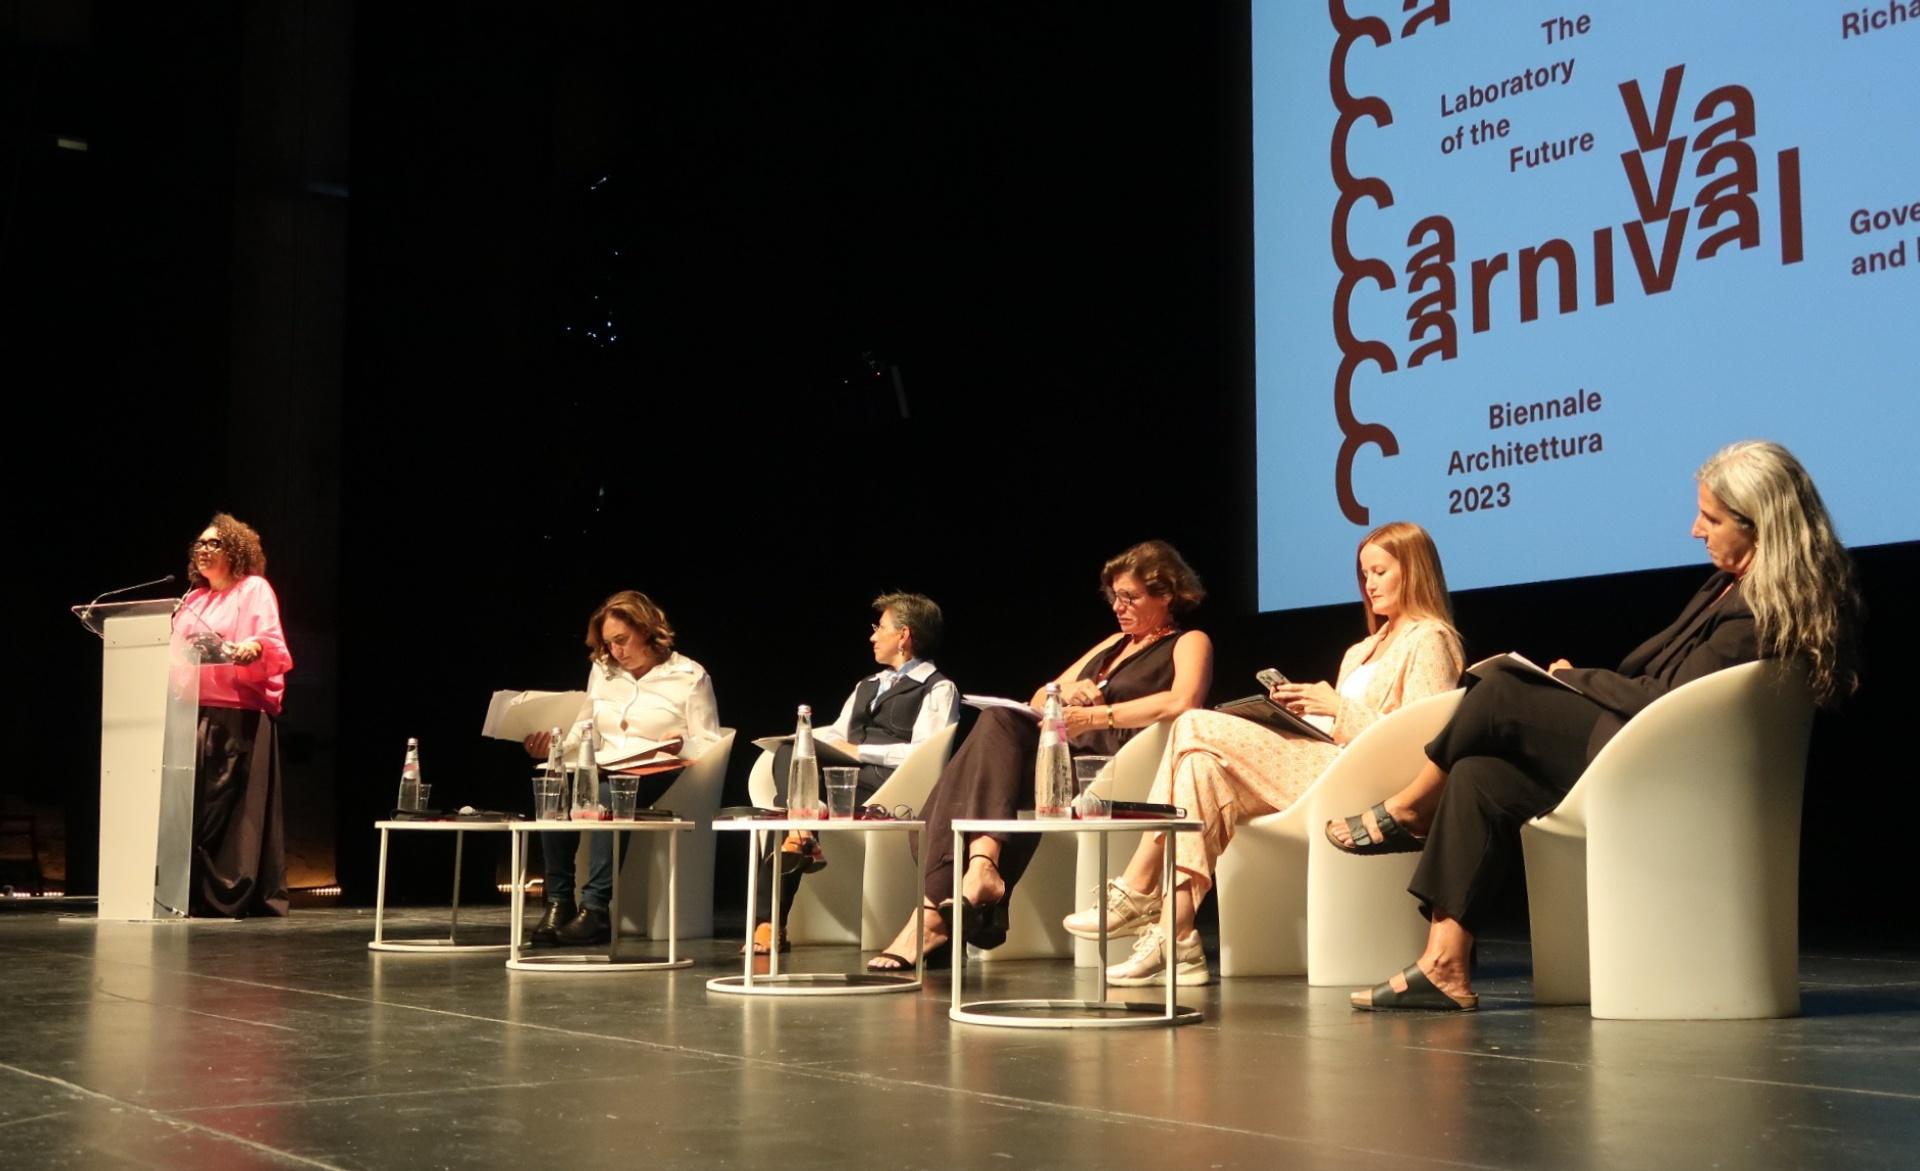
<point x="872" y="776"/>
<point x="1511" y="752"/>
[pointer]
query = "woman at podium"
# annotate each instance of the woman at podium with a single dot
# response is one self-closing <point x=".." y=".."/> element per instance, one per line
<point x="239" y="856"/>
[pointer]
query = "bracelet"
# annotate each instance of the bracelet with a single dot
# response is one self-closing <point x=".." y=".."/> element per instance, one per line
<point x="1110" y="726"/>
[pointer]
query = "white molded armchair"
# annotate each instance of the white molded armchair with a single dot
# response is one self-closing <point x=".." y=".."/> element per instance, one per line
<point x="1666" y="885"/>
<point x="1290" y="902"/>
<point x="694" y="797"/>
<point x="864" y="894"/>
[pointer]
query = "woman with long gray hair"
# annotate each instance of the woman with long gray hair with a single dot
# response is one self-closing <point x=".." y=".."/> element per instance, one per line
<point x="1782" y="588"/>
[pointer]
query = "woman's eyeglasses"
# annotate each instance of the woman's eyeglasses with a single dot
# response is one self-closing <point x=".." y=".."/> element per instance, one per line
<point x="210" y="544"/>
<point x="882" y="813"/>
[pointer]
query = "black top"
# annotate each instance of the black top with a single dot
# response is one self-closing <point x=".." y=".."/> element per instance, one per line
<point x="1711" y="633"/>
<point x="1146" y="673"/>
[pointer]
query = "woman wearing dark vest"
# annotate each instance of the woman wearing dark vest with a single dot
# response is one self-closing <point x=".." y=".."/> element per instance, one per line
<point x="888" y="715"/>
<point x="1152" y="671"/>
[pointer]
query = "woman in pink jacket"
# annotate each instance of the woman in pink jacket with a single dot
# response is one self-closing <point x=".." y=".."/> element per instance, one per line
<point x="239" y="858"/>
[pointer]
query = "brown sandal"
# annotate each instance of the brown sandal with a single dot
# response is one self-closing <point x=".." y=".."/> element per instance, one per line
<point x="763" y="941"/>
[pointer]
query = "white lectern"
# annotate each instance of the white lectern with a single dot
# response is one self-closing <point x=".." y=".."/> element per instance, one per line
<point x="149" y="716"/>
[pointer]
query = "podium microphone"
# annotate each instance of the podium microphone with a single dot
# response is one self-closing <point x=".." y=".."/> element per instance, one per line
<point x="87" y="612"/>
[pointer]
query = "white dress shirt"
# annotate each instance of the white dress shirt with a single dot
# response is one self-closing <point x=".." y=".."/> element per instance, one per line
<point x="673" y="699"/>
<point x="939" y="706"/>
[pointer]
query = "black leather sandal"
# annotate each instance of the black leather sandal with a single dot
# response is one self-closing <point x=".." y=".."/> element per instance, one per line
<point x="939" y="956"/>
<point x="984" y="925"/>
<point x="1394" y="838"/>
<point x="1422" y="995"/>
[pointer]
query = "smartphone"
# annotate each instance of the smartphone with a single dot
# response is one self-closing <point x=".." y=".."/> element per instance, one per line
<point x="1270" y="678"/>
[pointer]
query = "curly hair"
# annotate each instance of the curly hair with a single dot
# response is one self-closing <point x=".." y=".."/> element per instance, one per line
<point x="1162" y="570"/>
<point x="238" y="541"/>
<point x="636" y="610"/>
<point x="1800" y="584"/>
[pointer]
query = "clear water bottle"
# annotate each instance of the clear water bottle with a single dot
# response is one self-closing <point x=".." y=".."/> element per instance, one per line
<point x="803" y="774"/>
<point x="410" y="778"/>
<point x="587" y="805"/>
<point x="1053" y="766"/>
<point x="556" y="767"/>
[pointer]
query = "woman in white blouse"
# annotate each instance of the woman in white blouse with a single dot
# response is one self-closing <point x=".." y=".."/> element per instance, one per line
<point x="650" y="706"/>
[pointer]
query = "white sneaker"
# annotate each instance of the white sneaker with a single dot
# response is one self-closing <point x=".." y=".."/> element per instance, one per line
<point x="1128" y="913"/>
<point x="1148" y="963"/>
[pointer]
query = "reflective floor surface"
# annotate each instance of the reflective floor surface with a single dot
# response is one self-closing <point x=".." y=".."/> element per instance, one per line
<point x="289" y="1044"/>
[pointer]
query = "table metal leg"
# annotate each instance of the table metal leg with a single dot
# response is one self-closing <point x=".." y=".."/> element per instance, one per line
<point x="459" y="851"/>
<point x="1097" y="1013"/>
<point x="773" y="912"/>
<point x="1167" y="901"/>
<point x="1100" y="966"/>
<point x="613" y="935"/>
<point x="756" y="841"/>
<point x="611" y="960"/>
<point x="957" y="927"/>
<point x="519" y="896"/>
<point x="380" y="892"/>
<point x="516" y="859"/>
<point x="673" y="898"/>
<point x="771" y="981"/>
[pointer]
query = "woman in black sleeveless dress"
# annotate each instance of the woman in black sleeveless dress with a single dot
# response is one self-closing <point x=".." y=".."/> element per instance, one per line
<point x="1152" y="671"/>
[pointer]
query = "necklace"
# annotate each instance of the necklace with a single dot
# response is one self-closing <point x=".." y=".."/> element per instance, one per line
<point x="1134" y="648"/>
<point x="1156" y="634"/>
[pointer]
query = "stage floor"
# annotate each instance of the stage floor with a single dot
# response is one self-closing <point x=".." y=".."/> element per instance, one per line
<point x="289" y="1044"/>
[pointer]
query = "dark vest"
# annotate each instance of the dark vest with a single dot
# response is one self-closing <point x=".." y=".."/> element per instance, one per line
<point x="891" y="720"/>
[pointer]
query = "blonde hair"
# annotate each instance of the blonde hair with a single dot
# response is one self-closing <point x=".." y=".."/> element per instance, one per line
<point x="1800" y="583"/>
<point x="1423" y="584"/>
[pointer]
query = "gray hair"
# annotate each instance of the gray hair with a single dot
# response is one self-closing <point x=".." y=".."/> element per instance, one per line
<point x="917" y="613"/>
<point x="1800" y="584"/>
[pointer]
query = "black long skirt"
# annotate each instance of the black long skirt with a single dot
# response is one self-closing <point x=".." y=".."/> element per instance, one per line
<point x="239" y="852"/>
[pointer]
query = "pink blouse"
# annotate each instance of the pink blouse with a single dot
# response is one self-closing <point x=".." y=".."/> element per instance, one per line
<point x="245" y="611"/>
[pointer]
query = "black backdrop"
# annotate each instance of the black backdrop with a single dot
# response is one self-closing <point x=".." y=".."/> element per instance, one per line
<point x="481" y="312"/>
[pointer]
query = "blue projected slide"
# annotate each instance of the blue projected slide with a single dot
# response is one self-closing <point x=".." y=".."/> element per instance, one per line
<point x="1519" y="268"/>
